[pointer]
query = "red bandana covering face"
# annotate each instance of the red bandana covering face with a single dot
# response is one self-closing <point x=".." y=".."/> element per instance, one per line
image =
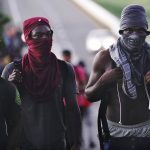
<point x="39" y="67"/>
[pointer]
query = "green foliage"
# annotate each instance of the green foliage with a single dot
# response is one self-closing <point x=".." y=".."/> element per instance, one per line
<point x="116" y="6"/>
<point x="3" y="20"/>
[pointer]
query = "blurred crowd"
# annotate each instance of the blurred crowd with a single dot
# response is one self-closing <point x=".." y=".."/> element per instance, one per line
<point x="12" y="45"/>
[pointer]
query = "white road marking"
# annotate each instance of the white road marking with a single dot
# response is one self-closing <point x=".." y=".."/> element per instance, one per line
<point x="14" y="11"/>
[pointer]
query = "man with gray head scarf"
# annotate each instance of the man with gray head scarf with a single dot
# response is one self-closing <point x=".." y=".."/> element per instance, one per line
<point x="120" y="79"/>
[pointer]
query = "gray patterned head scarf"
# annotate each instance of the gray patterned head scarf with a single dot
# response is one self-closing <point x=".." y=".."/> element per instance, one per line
<point x="133" y="16"/>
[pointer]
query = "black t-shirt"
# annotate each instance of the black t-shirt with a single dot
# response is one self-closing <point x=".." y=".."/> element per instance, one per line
<point x="9" y="112"/>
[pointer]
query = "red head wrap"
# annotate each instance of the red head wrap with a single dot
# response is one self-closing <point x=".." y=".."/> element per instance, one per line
<point x="40" y="70"/>
<point x="30" y="24"/>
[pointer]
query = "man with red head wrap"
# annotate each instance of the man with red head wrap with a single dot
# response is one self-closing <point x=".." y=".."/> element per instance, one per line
<point x="43" y="86"/>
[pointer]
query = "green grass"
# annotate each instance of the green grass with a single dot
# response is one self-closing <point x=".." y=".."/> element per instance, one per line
<point x="116" y="6"/>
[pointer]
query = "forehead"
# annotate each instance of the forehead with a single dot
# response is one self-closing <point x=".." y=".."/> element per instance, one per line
<point x="40" y="28"/>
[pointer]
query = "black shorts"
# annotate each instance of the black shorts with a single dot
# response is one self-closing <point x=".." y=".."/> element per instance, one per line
<point x="128" y="143"/>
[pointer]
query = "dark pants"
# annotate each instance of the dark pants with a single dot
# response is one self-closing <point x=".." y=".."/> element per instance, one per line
<point x="128" y="143"/>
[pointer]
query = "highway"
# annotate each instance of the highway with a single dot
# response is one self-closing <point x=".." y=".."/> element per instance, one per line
<point x="70" y="24"/>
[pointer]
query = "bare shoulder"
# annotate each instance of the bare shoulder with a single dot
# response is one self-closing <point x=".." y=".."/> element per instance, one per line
<point x="103" y="54"/>
<point x="102" y="59"/>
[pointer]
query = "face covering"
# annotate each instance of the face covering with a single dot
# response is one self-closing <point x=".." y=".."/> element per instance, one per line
<point x="39" y="48"/>
<point x="133" y="42"/>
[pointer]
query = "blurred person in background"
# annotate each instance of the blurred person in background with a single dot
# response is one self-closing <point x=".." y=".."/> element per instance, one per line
<point x="67" y="55"/>
<point x="43" y="87"/>
<point x="81" y="80"/>
<point x="2" y="60"/>
<point x="121" y="80"/>
<point x="4" y="19"/>
<point x="14" y="44"/>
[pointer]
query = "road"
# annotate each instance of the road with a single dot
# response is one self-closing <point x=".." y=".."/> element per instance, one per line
<point x="70" y="24"/>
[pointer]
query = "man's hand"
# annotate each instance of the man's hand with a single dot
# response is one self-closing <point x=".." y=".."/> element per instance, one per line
<point x="15" y="76"/>
<point x="147" y="77"/>
<point x="113" y="75"/>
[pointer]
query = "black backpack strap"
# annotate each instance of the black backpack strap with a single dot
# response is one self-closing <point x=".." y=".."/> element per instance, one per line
<point x="103" y="130"/>
<point x="64" y="72"/>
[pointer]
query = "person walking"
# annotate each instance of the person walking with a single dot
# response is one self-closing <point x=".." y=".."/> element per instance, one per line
<point x="120" y="79"/>
<point x="44" y="82"/>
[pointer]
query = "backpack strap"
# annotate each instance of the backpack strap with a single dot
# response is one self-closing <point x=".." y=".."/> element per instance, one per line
<point x="103" y="130"/>
<point x="64" y="72"/>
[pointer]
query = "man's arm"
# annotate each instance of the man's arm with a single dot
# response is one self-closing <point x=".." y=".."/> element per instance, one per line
<point x="12" y="116"/>
<point x="7" y="71"/>
<point x="102" y="76"/>
<point x="73" y="116"/>
<point x="12" y="74"/>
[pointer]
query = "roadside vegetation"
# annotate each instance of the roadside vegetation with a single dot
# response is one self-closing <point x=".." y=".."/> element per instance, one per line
<point x="116" y="6"/>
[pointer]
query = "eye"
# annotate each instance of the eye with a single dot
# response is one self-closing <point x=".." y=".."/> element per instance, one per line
<point x="141" y="31"/>
<point x="49" y="33"/>
<point x="128" y="31"/>
<point x="36" y="36"/>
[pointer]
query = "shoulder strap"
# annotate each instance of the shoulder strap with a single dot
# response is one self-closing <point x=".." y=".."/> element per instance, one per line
<point x="64" y="71"/>
<point x="103" y="130"/>
<point x="63" y="68"/>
